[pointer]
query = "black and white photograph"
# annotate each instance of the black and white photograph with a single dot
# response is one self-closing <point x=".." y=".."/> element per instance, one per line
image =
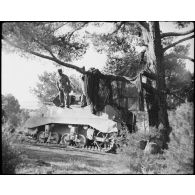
<point x="97" y="97"/>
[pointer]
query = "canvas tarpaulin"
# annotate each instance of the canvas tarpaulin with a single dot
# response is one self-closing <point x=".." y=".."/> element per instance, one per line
<point x="77" y="116"/>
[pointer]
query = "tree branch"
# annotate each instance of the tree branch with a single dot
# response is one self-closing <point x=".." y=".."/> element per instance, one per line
<point x="181" y="56"/>
<point x="168" y="34"/>
<point x="45" y="47"/>
<point x="60" y="26"/>
<point x="38" y="54"/>
<point x="175" y="43"/>
<point x="144" y="24"/>
<point x="149" y="75"/>
<point x="70" y="35"/>
<point x="81" y="70"/>
<point x="117" y="28"/>
<point x="54" y="59"/>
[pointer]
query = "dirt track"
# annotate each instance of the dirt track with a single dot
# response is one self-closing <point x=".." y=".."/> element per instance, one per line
<point x="45" y="160"/>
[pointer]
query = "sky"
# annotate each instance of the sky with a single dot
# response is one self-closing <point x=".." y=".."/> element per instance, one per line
<point x="20" y="74"/>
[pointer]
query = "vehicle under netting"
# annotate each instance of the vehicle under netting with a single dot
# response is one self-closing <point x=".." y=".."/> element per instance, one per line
<point x="73" y="127"/>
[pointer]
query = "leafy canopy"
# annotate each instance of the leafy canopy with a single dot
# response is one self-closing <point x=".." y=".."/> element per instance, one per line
<point x="124" y="59"/>
<point x="51" y="39"/>
<point x="12" y="113"/>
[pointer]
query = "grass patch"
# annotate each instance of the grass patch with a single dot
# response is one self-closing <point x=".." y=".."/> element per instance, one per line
<point x="178" y="159"/>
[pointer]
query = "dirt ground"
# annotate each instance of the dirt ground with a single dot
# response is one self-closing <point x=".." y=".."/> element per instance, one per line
<point x="47" y="160"/>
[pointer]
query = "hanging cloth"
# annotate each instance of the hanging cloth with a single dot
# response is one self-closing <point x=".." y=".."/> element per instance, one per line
<point x="140" y="91"/>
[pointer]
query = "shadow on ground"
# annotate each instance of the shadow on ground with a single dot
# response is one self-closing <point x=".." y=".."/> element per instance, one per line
<point x="43" y="160"/>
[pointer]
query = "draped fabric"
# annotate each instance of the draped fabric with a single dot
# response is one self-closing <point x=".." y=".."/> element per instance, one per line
<point x="100" y="91"/>
<point x="91" y="87"/>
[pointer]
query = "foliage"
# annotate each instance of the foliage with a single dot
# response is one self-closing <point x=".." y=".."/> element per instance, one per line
<point x="120" y="47"/>
<point x="11" y="107"/>
<point x="47" y="38"/>
<point x="24" y="115"/>
<point x="178" y="159"/>
<point x="76" y="84"/>
<point x="67" y="41"/>
<point x="178" y="79"/>
<point x="137" y="161"/>
<point x="10" y="104"/>
<point x="129" y="65"/>
<point x="46" y="89"/>
<point x="180" y="156"/>
<point x="13" y="115"/>
<point x="124" y="60"/>
<point x="182" y="24"/>
<point x="10" y="156"/>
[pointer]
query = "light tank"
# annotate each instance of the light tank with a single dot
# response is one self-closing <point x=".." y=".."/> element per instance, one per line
<point x="73" y="126"/>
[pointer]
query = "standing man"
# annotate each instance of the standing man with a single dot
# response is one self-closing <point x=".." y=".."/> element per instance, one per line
<point x="64" y="87"/>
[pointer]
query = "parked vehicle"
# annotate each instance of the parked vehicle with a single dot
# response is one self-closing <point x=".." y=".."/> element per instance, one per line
<point x="72" y="127"/>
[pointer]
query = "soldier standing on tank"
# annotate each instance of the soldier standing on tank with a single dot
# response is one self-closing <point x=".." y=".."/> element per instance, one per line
<point x="64" y="87"/>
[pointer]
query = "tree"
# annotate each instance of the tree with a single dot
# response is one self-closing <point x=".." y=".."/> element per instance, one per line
<point x="46" y="89"/>
<point x="124" y="60"/>
<point x="120" y="47"/>
<point x="14" y="116"/>
<point x="76" y="84"/>
<point x="45" y="40"/>
<point x="24" y="115"/>
<point x="11" y="107"/>
<point x="41" y="39"/>
<point x="155" y="57"/>
<point x="178" y="79"/>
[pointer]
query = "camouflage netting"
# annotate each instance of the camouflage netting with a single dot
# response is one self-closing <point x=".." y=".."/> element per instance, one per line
<point x="103" y="90"/>
<point x="124" y="96"/>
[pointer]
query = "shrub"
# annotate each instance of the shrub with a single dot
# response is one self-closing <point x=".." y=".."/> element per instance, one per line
<point x="10" y="156"/>
<point x="137" y="161"/>
<point x="178" y="159"/>
<point x="180" y="155"/>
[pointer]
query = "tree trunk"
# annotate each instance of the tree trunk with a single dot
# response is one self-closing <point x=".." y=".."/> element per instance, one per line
<point x="154" y="56"/>
<point x="157" y="63"/>
<point x="152" y="106"/>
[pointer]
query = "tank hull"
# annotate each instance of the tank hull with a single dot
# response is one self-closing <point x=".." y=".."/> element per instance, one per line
<point x="70" y="127"/>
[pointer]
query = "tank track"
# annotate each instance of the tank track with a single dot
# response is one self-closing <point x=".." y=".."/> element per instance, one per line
<point x="91" y="149"/>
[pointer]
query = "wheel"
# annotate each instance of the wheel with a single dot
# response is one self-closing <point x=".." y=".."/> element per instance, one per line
<point x="55" y="138"/>
<point x="41" y="136"/>
<point x="101" y="140"/>
<point x="81" y="141"/>
<point x="66" y="139"/>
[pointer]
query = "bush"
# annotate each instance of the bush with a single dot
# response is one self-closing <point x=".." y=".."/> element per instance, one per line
<point x="180" y="155"/>
<point x="139" y="162"/>
<point x="10" y="156"/>
<point x="178" y="159"/>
